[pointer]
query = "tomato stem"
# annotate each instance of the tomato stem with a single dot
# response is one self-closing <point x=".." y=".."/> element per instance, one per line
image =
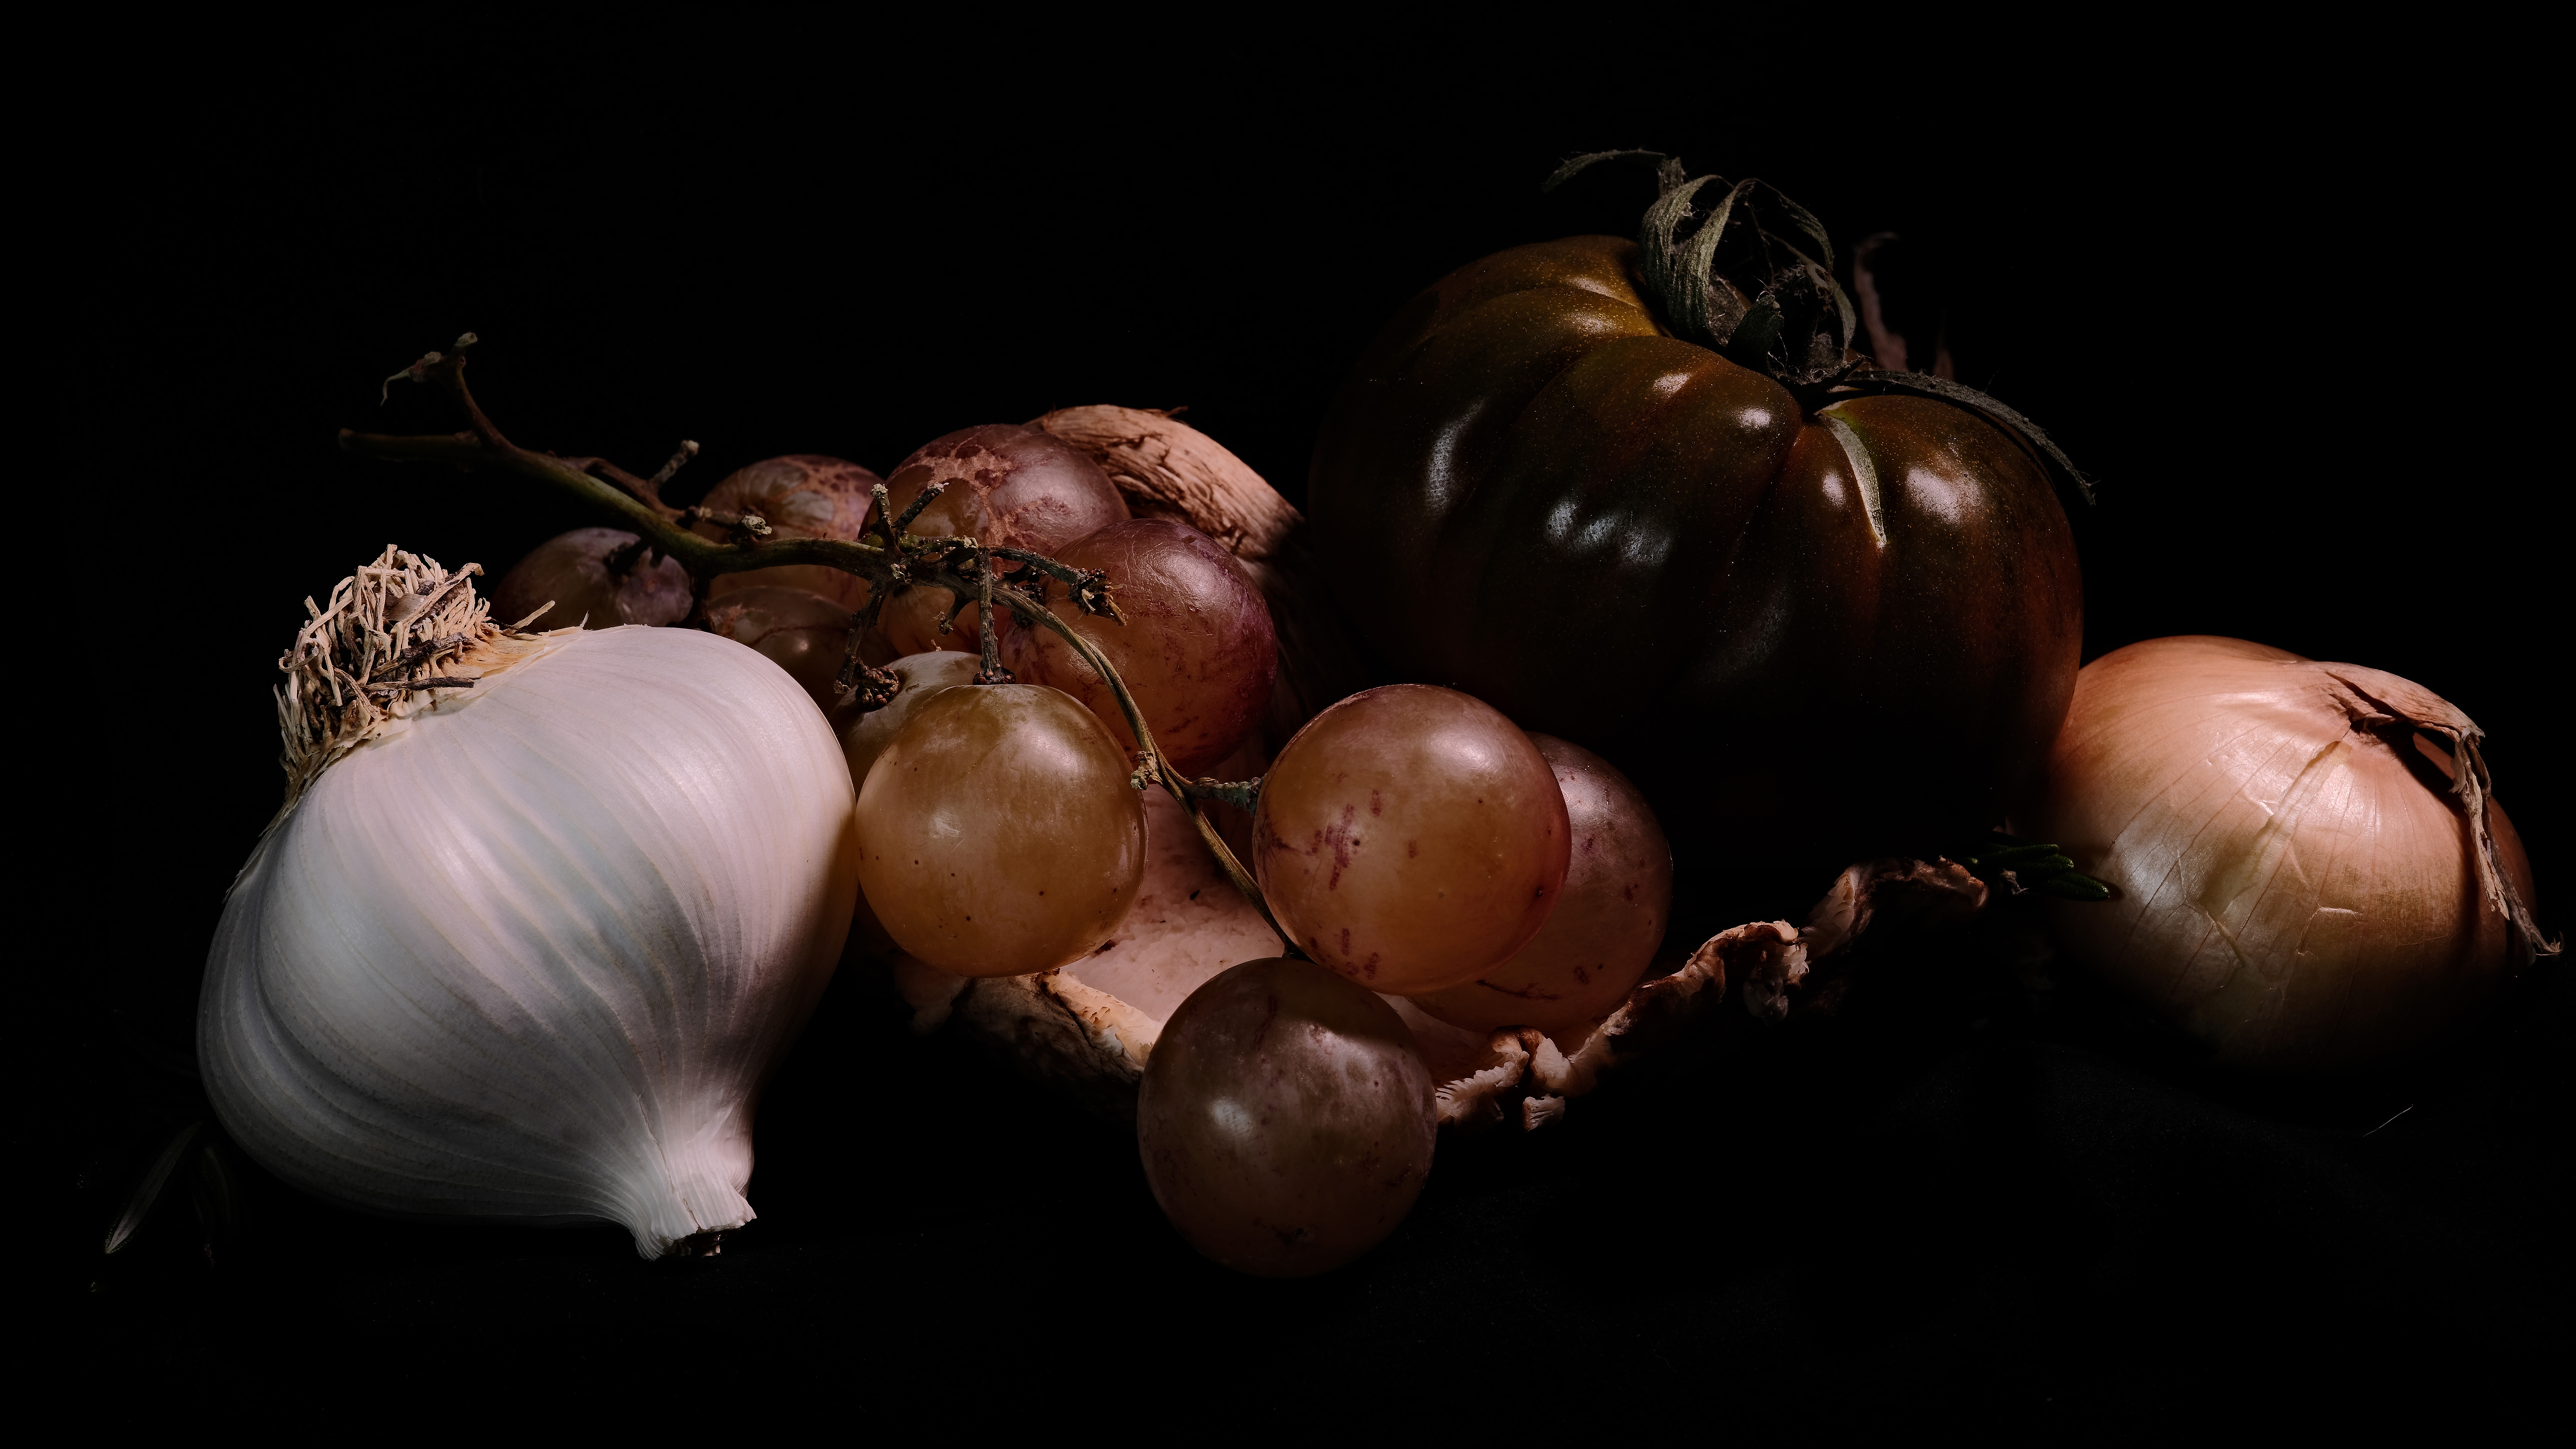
<point x="1754" y="282"/>
<point x="1243" y="795"/>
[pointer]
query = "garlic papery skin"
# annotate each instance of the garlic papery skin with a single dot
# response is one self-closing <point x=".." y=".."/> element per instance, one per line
<point x="527" y="950"/>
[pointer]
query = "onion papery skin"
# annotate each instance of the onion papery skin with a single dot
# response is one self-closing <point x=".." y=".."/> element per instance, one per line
<point x="2286" y="887"/>
<point x="529" y="954"/>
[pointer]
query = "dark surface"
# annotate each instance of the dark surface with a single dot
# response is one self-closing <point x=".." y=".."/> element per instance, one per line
<point x="2244" y="294"/>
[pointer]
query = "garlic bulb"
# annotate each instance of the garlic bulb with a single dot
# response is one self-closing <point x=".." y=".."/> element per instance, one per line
<point x="540" y="913"/>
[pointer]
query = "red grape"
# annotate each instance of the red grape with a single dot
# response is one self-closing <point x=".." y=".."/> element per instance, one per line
<point x="572" y="570"/>
<point x="1286" y="1121"/>
<point x="800" y="496"/>
<point x="805" y="634"/>
<point x="1197" y="651"/>
<point x="1008" y="486"/>
<point x="1607" y="924"/>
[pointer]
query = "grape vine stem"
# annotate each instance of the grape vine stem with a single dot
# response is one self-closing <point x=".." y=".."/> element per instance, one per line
<point x="902" y="560"/>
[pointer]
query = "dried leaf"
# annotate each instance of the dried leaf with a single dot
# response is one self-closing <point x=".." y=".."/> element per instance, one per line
<point x="1586" y="162"/>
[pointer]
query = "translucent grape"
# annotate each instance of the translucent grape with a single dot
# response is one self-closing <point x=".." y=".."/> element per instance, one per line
<point x="1410" y="838"/>
<point x="998" y="833"/>
<point x="923" y="675"/>
<point x="866" y="736"/>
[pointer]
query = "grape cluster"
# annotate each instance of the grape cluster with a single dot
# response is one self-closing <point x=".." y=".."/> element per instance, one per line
<point x="1408" y="840"/>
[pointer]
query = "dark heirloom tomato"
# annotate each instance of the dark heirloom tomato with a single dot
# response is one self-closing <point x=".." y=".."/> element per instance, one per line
<point x="1810" y="630"/>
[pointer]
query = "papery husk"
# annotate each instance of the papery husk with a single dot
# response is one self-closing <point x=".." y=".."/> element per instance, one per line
<point x="395" y="637"/>
<point x="1083" y="1042"/>
<point x="2377" y="700"/>
<point x="1088" y="1029"/>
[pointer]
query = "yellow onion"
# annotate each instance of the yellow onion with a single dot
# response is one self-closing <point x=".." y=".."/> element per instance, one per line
<point x="2309" y="871"/>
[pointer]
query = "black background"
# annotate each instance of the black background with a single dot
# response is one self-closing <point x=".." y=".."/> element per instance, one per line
<point x="2265" y="288"/>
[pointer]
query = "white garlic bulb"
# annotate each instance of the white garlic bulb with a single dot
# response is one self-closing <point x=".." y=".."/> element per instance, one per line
<point x="527" y="948"/>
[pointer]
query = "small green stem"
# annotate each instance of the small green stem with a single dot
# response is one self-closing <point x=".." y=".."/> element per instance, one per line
<point x="1243" y="795"/>
<point x="2031" y="866"/>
